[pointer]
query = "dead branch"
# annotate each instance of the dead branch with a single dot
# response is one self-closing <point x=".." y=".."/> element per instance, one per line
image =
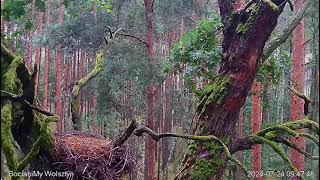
<point x="274" y="44"/>
<point x="302" y="96"/>
<point x="138" y="130"/>
<point x="21" y="99"/>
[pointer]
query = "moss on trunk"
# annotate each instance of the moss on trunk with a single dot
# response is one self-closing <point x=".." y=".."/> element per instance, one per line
<point x="76" y="89"/>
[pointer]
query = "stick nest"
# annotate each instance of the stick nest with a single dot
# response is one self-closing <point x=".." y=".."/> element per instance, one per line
<point x="90" y="156"/>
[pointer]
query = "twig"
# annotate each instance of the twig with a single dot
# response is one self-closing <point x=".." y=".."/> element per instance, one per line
<point x="21" y="99"/>
<point x="274" y="44"/>
<point x="302" y="96"/>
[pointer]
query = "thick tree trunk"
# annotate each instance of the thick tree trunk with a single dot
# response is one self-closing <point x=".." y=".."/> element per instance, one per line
<point x="150" y="145"/>
<point x="38" y="54"/>
<point x="255" y="125"/>
<point x="297" y="80"/>
<point x="245" y="35"/>
<point x="46" y="63"/>
<point x="58" y="69"/>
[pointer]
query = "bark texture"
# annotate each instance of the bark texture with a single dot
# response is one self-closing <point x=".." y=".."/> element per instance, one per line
<point x="297" y="80"/>
<point x="38" y="54"/>
<point x="255" y="125"/>
<point x="46" y="62"/>
<point x="150" y="144"/>
<point x="245" y="34"/>
<point x="30" y="34"/>
<point x="58" y="77"/>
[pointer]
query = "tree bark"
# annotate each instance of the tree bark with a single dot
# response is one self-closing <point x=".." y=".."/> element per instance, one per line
<point x="297" y="80"/>
<point x="29" y="43"/>
<point x="38" y="54"/>
<point x="245" y="35"/>
<point x="58" y="69"/>
<point x="150" y="145"/>
<point x="167" y="124"/>
<point x="255" y="125"/>
<point x="46" y="62"/>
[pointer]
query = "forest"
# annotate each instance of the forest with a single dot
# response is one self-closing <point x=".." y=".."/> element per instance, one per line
<point x="160" y="89"/>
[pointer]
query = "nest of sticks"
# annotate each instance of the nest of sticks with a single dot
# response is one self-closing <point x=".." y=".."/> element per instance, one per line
<point x="90" y="156"/>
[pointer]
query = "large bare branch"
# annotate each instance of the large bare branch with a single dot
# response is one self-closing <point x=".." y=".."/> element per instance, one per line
<point x="138" y="130"/>
<point x="275" y="43"/>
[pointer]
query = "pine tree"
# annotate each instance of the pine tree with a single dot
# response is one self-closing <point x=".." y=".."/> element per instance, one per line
<point x="38" y="54"/>
<point x="46" y="61"/>
<point x="297" y="80"/>
<point x="58" y="70"/>
<point x="255" y="125"/>
<point x="150" y="144"/>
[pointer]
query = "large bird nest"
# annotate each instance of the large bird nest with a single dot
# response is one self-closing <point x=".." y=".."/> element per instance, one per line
<point x="90" y="156"/>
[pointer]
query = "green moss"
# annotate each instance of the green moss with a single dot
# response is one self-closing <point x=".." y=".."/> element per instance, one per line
<point x="213" y="93"/>
<point x="272" y="5"/>
<point x="279" y="151"/>
<point x="42" y="140"/>
<point x="203" y="169"/>
<point x="79" y="84"/>
<point x="244" y="27"/>
<point x="7" y="138"/>
<point x="11" y="81"/>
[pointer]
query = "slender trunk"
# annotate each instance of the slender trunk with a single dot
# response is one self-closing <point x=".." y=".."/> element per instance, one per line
<point x="29" y="43"/>
<point x="59" y="66"/>
<point x="38" y="54"/>
<point x="240" y="133"/>
<point x="168" y="116"/>
<point x="255" y="124"/>
<point x="150" y="145"/>
<point x="46" y="62"/>
<point x="297" y="80"/>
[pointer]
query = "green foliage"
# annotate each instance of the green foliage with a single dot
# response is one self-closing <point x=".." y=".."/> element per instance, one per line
<point x="199" y="51"/>
<point x="272" y="69"/>
<point x="15" y="9"/>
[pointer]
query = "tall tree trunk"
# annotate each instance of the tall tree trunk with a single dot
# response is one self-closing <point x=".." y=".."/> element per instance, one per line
<point x="222" y="99"/>
<point x="297" y="80"/>
<point x="58" y="68"/>
<point x="150" y="145"/>
<point x="30" y="33"/>
<point x="38" y="54"/>
<point x="168" y="115"/>
<point x="255" y="125"/>
<point x="46" y="62"/>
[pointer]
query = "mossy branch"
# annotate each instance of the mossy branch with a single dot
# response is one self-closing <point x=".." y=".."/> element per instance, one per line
<point x="279" y="151"/>
<point x="81" y="83"/>
<point x="7" y="138"/>
<point x="273" y="136"/>
<point x="138" y="130"/>
<point x="294" y="146"/>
